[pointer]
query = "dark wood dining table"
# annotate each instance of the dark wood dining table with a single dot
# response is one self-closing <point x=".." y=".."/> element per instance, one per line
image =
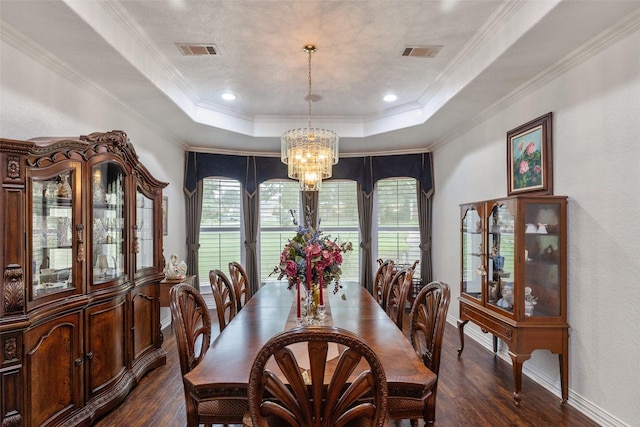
<point x="224" y="371"/>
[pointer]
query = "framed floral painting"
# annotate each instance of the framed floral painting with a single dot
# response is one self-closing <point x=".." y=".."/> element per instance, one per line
<point x="529" y="163"/>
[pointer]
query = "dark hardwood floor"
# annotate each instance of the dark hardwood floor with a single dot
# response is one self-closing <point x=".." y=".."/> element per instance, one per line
<point x="473" y="390"/>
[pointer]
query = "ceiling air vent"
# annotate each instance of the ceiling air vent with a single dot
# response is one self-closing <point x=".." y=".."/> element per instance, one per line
<point x="191" y="49"/>
<point x="422" y="51"/>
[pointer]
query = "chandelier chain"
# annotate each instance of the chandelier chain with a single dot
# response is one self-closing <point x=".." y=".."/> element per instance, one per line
<point x="309" y="96"/>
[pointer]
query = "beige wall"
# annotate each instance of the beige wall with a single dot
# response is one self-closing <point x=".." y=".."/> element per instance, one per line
<point x="596" y="107"/>
<point x="596" y="154"/>
<point x="36" y="101"/>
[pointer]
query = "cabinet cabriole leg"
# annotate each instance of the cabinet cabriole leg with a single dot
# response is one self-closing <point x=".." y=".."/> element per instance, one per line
<point x="517" y="361"/>
<point x="461" y="324"/>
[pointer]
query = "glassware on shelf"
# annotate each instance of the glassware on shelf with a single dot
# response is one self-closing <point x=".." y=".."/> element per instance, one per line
<point x="63" y="231"/>
<point x="99" y="195"/>
<point x="102" y="266"/>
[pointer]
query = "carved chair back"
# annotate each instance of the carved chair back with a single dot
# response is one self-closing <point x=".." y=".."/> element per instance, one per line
<point x="192" y="327"/>
<point x="224" y="297"/>
<point x="381" y="281"/>
<point x="397" y="295"/>
<point x="240" y="282"/>
<point x="323" y="393"/>
<point x="427" y="321"/>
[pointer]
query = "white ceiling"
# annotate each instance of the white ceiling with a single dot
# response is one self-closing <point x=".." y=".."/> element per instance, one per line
<point x="490" y="52"/>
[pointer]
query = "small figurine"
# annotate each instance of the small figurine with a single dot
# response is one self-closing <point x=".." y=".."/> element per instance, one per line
<point x="174" y="270"/>
<point x="64" y="188"/>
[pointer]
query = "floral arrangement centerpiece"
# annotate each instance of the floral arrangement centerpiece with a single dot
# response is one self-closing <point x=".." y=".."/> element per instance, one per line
<point x="311" y="258"/>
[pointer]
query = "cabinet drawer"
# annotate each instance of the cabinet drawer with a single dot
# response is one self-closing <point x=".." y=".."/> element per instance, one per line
<point x="500" y="329"/>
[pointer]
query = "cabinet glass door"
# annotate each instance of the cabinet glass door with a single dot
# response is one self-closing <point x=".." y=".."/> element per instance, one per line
<point x="542" y="260"/>
<point x="144" y="231"/>
<point x="52" y="255"/>
<point x="108" y="196"/>
<point x="501" y="243"/>
<point x="473" y="269"/>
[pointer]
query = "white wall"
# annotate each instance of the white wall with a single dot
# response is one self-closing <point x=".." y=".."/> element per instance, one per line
<point x="36" y="101"/>
<point x="596" y="155"/>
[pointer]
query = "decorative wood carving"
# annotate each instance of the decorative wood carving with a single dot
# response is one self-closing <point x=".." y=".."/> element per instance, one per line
<point x="13" y="167"/>
<point x="10" y="349"/>
<point x="80" y="241"/>
<point x="13" y="290"/>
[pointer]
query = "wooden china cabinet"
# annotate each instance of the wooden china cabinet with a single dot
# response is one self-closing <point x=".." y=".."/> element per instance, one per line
<point x="82" y="260"/>
<point x="514" y="277"/>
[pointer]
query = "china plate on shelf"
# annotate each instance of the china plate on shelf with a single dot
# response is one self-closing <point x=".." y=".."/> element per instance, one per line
<point x="52" y="285"/>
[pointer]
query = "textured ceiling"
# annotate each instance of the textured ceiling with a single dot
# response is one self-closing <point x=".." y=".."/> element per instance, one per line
<point x="489" y="49"/>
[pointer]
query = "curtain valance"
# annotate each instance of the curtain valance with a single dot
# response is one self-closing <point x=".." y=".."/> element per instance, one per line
<point x="251" y="171"/>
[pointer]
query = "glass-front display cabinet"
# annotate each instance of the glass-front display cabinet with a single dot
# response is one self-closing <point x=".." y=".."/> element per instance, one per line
<point x="81" y="253"/>
<point x="108" y="197"/>
<point x="55" y="215"/>
<point x="473" y="269"/>
<point x="514" y="276"/>
<point x="145" y="226"/>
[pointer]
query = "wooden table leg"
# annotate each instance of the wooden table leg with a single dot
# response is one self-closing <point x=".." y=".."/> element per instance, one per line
<point x="517" y="361"/>
<point x="461" y="324"/>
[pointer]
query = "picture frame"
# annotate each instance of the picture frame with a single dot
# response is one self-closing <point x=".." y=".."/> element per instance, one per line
<point x="165" y="215"/>
<point x="529" y="157"/>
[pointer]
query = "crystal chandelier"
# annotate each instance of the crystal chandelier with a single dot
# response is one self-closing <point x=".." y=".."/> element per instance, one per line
<point x="309" y="152"/>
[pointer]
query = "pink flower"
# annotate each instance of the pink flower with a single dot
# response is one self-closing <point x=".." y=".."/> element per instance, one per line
<point x="537" y="169"/>
<point x="291" y="269"/>
<point x="284" y="254"/>
<point x="313" y="250"/>
<point x="524" y="167"/>
<point x="531" y="148"/>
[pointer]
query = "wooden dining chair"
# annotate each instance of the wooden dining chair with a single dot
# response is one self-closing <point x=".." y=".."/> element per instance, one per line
<point x="427" y="321"/>
<point x="224" y="297"/>
<point x="338" y="392"/>
<point x="381" y="281"/>
<point x="192" y="327"/>
<point x="397" y="295"/>
<point x="240" y="282"/>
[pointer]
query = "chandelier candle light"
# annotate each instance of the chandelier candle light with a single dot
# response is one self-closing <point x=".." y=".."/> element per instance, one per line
<point x="310" y="153"/>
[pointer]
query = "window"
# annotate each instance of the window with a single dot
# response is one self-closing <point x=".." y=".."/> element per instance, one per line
<point x="277" y="199"/>
<point x="398" y="231"/>
<point x="221" y="226"/>
<point x="338" y="213"/>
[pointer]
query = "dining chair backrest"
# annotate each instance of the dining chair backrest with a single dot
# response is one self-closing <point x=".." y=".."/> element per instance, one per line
<point x="381" y="281"/>
<point x="397" y="295"/>
<point x="192" y="328"/>
<point x="427" y="321"/>
<point x="224" y="297"/>
<point x="323" y="393"/>
<point x="240" y="282"/>
<point x="191" y="324"/>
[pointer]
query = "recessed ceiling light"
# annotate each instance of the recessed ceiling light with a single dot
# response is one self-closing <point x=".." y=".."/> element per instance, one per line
<point x="390" y="98"/>
<point x="228" y="96"/>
